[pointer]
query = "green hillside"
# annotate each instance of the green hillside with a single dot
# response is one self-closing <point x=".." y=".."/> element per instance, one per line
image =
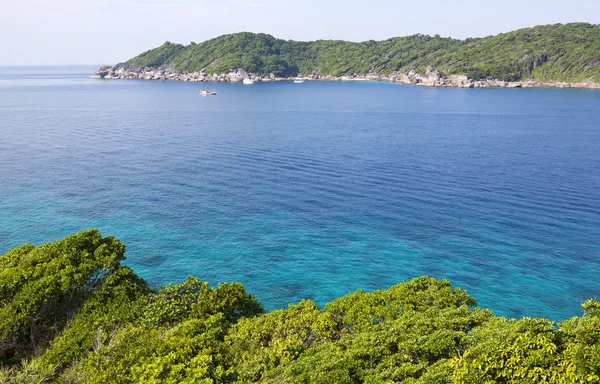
<point x="71" y="313"/>
<point x="569" y="52"/>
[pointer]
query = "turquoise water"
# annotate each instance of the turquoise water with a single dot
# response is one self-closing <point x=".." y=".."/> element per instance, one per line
<point x="313" y="190"/>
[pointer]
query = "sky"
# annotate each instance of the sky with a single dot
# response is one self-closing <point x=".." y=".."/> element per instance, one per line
<point x="62" y="32"/>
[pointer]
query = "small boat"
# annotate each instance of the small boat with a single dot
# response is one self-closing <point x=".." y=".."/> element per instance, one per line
<point x="248" y="81"/>
<point x="207" y="92"/>
<point x="298" y="81"/>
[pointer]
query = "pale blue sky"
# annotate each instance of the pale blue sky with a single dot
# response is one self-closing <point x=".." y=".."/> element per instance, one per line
<point x="39" y="32"/>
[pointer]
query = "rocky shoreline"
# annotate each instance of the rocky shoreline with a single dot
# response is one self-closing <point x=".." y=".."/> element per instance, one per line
<point x="431" y="78"/>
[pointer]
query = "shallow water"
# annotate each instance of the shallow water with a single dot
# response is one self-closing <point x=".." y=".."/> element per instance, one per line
<point x="313" y="190"/>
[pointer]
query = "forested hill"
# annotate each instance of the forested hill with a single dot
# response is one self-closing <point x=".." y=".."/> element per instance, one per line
<point x="560" y="52"/>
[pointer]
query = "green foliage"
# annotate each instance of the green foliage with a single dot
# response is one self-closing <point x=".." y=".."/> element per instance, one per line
<point x="194" y="299"/>
<point x="569" y="52"/>
<point x="277" y="338"/>
<point x="519" y="350"/>
<point x="177" y="338"/>
<point x="157" y="56"/>
<point x="189" y="352"/>
<point x="581" y="344"/>
<point x="82" y="318"/>
<point x="192" y="352"/>
<point x="360" y="310"/>
<point x="28" y="372"/>
<point x="119" y="302"/>
<point x="405" y="333"/>
<point x="41" y="287"/>
<point x="415" y="347"/>
<point x="533" y="351"/>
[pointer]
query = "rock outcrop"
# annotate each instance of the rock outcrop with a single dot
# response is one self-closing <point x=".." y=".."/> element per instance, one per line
<point x="238" y="75"/>
<point x="431" y="78"/>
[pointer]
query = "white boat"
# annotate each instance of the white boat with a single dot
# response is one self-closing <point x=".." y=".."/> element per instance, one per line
<point x="207" y="92"/>
<point x="248" y="81"/>
<point x="298" y="81"/>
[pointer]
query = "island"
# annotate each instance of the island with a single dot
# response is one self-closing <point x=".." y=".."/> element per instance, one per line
<point x="559" y="55"/>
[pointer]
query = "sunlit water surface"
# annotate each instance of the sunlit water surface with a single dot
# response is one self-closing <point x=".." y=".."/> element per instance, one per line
<point x="313" y="190"/>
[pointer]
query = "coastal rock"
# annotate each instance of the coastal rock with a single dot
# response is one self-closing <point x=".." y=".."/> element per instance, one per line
<point x="531" y="84"/>
<point x="413" y="77"/>
<point x="407" y="78"/>
<point x="103" y="71"/>
<point x="238" y="75"/>
<point x="460" y="81"/>
<point x="315" y="75"/>
<point x="562" y="85"/>
<point x="431" y="77"/>
<point x="586" y="85"/>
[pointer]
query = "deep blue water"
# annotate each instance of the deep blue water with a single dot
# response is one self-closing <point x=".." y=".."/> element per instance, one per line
<point x="313" y="190"/>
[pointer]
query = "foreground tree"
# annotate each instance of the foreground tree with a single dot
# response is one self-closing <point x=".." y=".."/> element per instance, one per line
<point x="42" y="287"/>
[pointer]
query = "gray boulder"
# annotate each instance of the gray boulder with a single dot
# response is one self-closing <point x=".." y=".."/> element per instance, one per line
<point x="460" y="81"/>
<point x="431" y="78"/>
<point x="237" y="75"/>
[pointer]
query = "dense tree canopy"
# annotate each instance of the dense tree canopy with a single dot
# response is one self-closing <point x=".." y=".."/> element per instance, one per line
<point x="71" y="313"/>
<point x="569" y="52"/>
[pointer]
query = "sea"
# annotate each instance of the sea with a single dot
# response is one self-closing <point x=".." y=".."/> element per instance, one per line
<point x="313" y="190"/>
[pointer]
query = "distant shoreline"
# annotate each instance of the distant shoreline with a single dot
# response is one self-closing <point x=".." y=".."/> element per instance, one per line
<point x="428" y="79"/>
